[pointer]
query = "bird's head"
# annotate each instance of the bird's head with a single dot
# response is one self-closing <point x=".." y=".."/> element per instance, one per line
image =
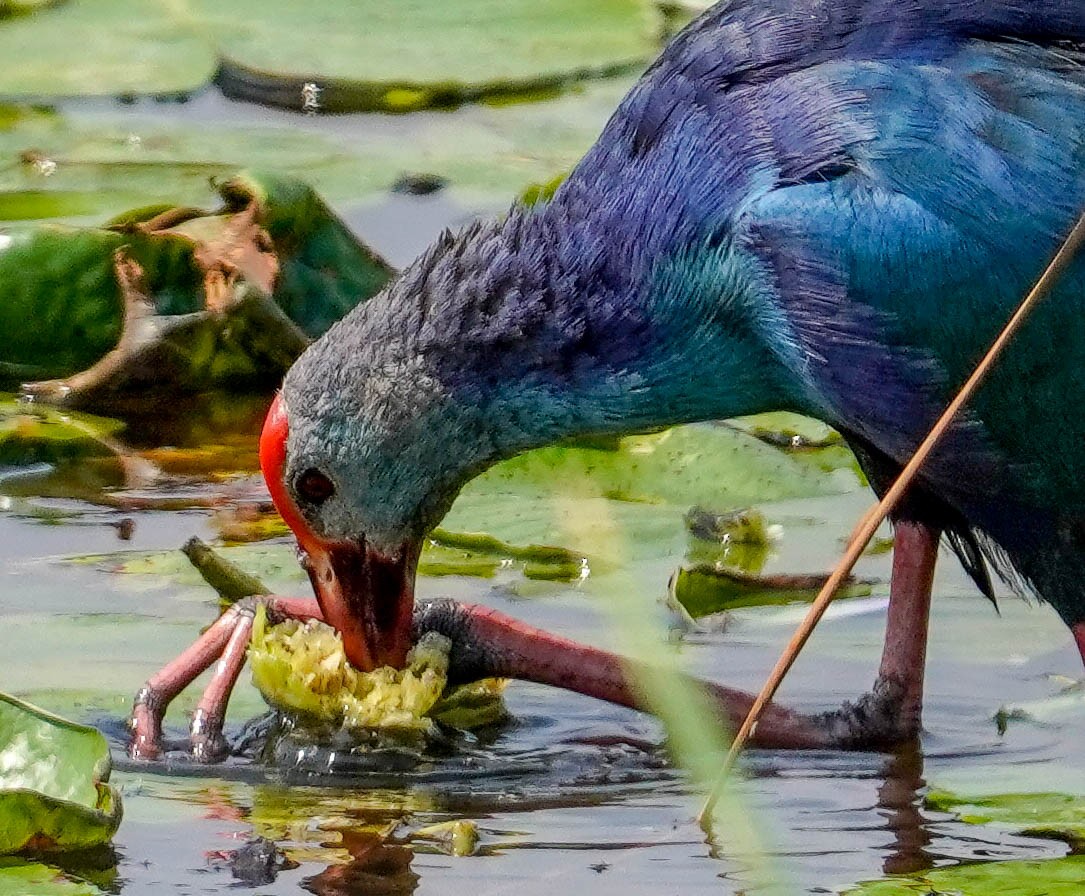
<point x="362" y="456"/>
<point x="505" y="337"/>
<point x="364" y="584"/>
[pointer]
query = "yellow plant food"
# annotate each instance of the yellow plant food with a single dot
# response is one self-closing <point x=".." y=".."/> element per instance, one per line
<point x="301" y="670"/>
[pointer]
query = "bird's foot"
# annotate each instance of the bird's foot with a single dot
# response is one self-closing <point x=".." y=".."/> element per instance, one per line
<point x="224" y="645"/>
<point x="878" y="720"/>
<point x="489" y="644"/>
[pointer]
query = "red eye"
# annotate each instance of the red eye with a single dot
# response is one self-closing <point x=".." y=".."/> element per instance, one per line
<point x="314" y="487"/>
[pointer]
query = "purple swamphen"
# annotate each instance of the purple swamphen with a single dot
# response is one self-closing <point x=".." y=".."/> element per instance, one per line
<point x="826" y="206"/>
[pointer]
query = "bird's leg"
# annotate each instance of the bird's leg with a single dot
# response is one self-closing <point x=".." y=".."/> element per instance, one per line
<point x="904" y="656"/>
<point x="486" y="643"/>
<point x="225" y="640"/>
<point x="1078" y="628"/>
<point x="892" y="712"/>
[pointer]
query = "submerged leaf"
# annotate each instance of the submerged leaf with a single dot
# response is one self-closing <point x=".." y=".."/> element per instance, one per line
<point x="1051" y="877"/>
<point x="458" y="838"/>
<point x="18" y="878"/>
<point x="1056" y="816"/>
<point x="704" y="590"/>
<point x="53" y="790"/>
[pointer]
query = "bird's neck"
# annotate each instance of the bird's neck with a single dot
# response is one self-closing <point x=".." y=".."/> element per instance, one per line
<point x="559" y="324"/>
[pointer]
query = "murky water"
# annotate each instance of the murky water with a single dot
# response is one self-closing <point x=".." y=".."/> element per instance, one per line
<point x="571" y="795"/>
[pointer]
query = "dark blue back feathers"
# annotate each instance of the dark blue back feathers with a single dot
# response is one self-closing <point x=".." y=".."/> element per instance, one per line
<point x="894" y="175"/>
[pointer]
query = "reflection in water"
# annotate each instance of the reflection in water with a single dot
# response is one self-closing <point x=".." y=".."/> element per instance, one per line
<point x="375" y="867"/>
<point x="900" y="799"/>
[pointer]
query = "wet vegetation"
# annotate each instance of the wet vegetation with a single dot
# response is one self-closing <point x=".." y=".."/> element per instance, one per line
<point x="180" y="213"/>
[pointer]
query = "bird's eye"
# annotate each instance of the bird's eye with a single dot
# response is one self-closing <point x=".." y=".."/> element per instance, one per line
<point x="314" y="487"/>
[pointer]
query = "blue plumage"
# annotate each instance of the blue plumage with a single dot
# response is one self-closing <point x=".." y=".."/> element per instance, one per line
<point x="825" y="205"/>
<point x="897" y="186"/>
<point x="830" y="206"/>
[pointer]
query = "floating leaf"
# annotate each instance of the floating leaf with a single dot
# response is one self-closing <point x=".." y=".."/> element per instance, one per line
<point x="704" y="590"/>
<point x="119" y="158"/>
<point x="357" y="56"/>
<point x="1057" y="816"/>
<point x="32" y="434"/>
<point x="18" y="878"/>
<point x="684" y="467"/>
<point x="445" y="553"/>
<point x="53" y="790"/>
<point x="105" y="48"/>
<point x="1051" y="877"/>
<point x="37" y="205"/>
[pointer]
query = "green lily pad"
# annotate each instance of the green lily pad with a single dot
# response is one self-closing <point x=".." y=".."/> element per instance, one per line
<point x="78" y="164"/>
<point x="37" y="205"/>
<point x="704" y="590"/>
<point x="445" y="553"/>
<point x="17" y="878"/>
<point x="106" y="163"/>
<point x="681" y="467"/>
<point x="357" y="56"/>
<point x="105" y="48"/>
<point x="474" y="553"/>
<point x="53" y="790"/>
<point x="1057" y="816"/>
<point x="1051" y="877"/>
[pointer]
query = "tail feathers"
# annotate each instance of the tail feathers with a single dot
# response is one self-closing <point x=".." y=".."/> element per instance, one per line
<point x="974" y="558"/>
<point x="1042" y="555"/>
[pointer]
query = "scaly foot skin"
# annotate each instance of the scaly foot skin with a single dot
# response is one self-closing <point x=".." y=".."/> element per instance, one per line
<point x="225" y="642"/>
<point x="485" y="644"/>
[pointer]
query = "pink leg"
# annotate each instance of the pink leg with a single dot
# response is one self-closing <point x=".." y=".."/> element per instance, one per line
<point x="220" y="640"/>
<point x="1078" y="628"/>
<point x="489" y="643"/>
<point x="904" y="657"/>
<point x="205" y="733"/>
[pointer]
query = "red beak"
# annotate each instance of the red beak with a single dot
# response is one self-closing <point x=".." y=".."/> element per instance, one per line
<point x="366" y="595"/>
